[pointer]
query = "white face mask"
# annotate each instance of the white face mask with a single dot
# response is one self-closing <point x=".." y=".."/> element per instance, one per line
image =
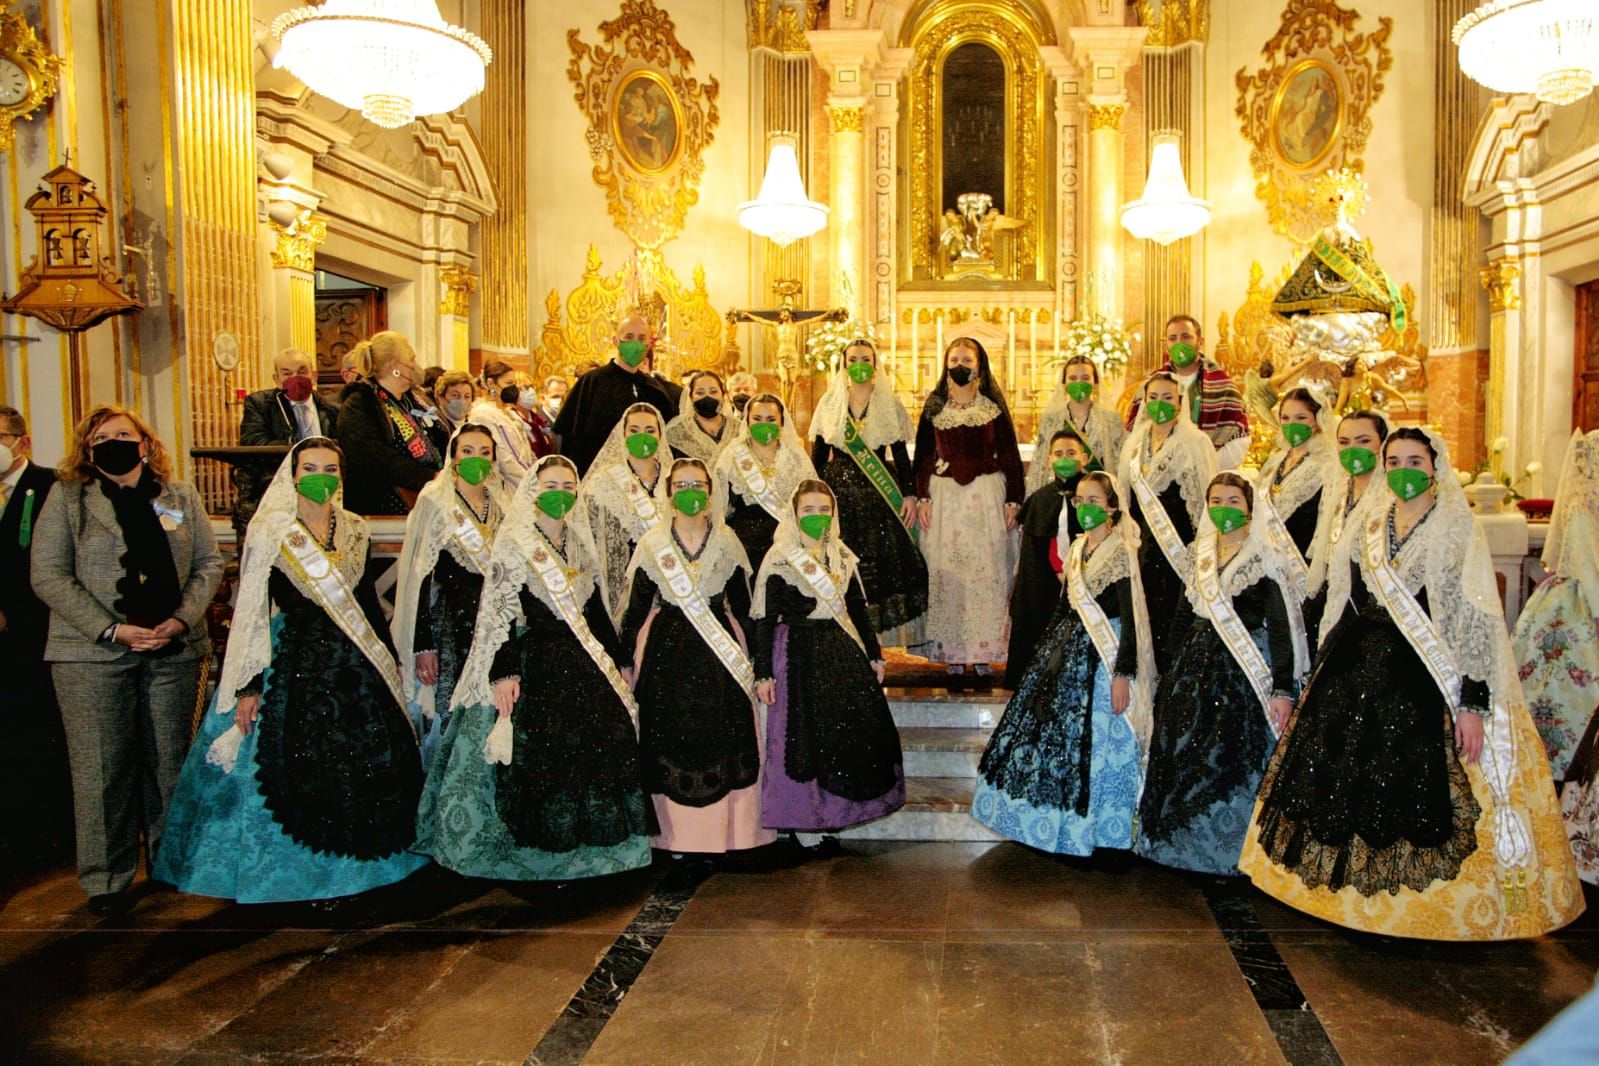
<point x="554" y="403"/>
<point x="7" y="457"/>
<point x="528" y="398"/>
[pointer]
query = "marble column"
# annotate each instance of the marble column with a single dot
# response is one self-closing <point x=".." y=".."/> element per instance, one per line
<point x="1501" y="278"/>
<point x="294" y="283"/>
<point x="846" y="172"/>
<point x="456" y="285"/>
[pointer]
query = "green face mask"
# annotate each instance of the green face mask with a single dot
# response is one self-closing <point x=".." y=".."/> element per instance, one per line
<point x="1407" y="482"/>
<point x="318" y="488"/>
<point x="1358" y="460"/>
<point x="1079" y="391"/>
<point x="1161" y="412"/>
<point x="690" y="501"/>
<point x="1296" y="433"/>
<point x="474" y="468"/>
<point x="632" y="352"/>
<point x="816" y="526"/>
<point x="860" y="373"/>
<point x="555" y="502"/>
<point x="765" y="432"/>
<point x="1065" y="467"/>
<point x="1091" y="516"/>
<point x="642" y="445"/>
<point x="1183" y="355"/>
<point x="1228" y="519"/>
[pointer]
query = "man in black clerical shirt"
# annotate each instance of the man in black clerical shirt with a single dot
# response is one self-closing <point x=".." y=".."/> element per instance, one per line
<point x="600" y="396"/>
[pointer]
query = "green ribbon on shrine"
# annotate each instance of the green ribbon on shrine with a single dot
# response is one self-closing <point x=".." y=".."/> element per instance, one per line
<point x="1352" y="272"/>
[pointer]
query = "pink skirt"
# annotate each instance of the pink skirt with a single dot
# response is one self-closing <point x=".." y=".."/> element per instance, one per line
<point x="732" y="823"/>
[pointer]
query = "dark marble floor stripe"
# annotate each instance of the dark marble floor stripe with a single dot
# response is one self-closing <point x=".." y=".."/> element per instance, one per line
<point x="567" y="1041"/>
<point x="1299" y="1032"/>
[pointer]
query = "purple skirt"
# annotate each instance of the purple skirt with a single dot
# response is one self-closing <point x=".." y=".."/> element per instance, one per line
<point x="805" y="805"/>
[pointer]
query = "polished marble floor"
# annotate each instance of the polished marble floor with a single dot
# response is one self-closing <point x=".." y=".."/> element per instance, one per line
<point x="891" y="953"/>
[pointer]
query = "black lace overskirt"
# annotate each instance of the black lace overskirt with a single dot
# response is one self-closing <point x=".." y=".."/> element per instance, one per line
<point x="841" y="733"/>
<point x="753" y="527"/>
<point x="455" y="591"/>
<point x="892" y="569"/>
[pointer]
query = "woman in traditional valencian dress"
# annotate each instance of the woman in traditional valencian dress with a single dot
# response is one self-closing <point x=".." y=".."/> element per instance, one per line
<point x="1239" y="650"/>
<point x="448" y="539"/>
<point x="1166" y="465"/>
<point x="513" y="451"/>
<point x="757" y="473"/>
<point x="303" y="781"/>
<point x="861" y="435"/>
<point x="1047" y="525"/>
<point x="1360" y="436"/>
<point x="537" y="777"/>
<point x="1557" y="635"/>
<point x="1579" y="802"/>
<point x="687" y="626"/>
<point x="1062" y="770"/>
<point x="1409" y="794"/>
<point x="619" y="499"/>
<point x="706" y="421"/>
<point x="1072" y="408"/>
<point x="970" y="484"/>
<point x="832" y="751"/>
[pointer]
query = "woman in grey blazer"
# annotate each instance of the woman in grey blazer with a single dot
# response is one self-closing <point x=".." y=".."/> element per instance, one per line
<point x="124" y="557"/>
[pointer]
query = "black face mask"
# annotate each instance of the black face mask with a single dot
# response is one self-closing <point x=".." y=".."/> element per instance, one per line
<point x="962" y="374"/>
<point x="707" y="406"/>
<point x="740" y="401"/>
<point x="115" y="457"/>
<point x="509" y="394"/>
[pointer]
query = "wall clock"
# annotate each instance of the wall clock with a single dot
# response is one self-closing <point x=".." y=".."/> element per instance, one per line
<point x="28" y="73"/>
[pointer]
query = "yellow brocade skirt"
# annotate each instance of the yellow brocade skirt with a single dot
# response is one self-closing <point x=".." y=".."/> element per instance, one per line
<point x="1485" y="901"/>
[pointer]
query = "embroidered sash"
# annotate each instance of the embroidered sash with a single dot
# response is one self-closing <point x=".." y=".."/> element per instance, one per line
<point x="755" y="481"/>
<point x="469" y="535"/>
<point x="825" y="590"/>
<point x="643" y="506"/>
<point x="564" y="599"/>
<point x="1224" y="619"/>
<point x="1155" y="516"/>
<point x="334" y="595"/>
<point x="686" y="596"/>
<point x="1082" y="435"/>
<point x="1282" y="543"/>
<point x="1512" y="842"/>
<point x="855" y="447"/>
<point x="1100" y="631"/>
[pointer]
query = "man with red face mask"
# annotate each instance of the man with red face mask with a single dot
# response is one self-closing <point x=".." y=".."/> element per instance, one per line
<point x="290" y="411"/>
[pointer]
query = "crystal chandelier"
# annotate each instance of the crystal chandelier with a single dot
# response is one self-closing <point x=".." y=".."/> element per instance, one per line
<point x="781" y="212"/>
<point x="1166" y="212"/>
<point x="1549" y="48"/>
<point x="392" y="59"/>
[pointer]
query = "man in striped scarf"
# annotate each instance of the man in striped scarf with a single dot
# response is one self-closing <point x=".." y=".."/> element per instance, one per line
<point x="1214" y="401"/>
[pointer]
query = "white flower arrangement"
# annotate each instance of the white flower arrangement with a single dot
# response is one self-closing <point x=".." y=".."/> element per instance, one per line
<point x="824" y="344"/>
<point x="1104" y="340"/>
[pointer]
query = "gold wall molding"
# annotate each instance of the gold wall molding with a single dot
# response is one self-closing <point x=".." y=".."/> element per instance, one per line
<point x="1176" y="22"/>
<point x="1307" y="110"/>
<point x="646" y="202"/>
<point x="1006" y="29"/>
<point x="456" y="284"/>
<point x="847" y="118"/>
<point x="645" y="284"/>
<point x="782" y="27"/>
<point x="296" y="245"/>
<point x="505" y="324"/>
<point x="20" y="45"/>
<point x="1499" y="279"/>
<point x="1106" y="116"/>
<point x="1454" y="251"/>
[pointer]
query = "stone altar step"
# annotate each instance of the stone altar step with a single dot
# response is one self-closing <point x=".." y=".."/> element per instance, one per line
<point x="936" y="808"/>
<point x="944" y="709"/>
<point x="931" y="751"/>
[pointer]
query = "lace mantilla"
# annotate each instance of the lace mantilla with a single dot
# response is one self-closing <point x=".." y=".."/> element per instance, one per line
<point x="722" y="555"/>
<point x="793" y="466"/>
<point x="883" y="423"/>
<point x="1102" y="430"/>
<point x="980" y="412"/>
<point x="1303" y="481"/>
<point x="1109" y="563"/>
<point x="1186" y="457"/>
<point x="1571" y="548"/>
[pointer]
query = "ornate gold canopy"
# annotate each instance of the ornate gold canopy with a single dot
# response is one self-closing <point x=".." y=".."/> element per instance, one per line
<point x="649" y="121"/>
<point x="1307" y="110"/>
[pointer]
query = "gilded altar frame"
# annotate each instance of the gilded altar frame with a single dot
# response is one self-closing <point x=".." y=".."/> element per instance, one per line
<point x="1315" y="36"/>
<point x="1013" y="33"/>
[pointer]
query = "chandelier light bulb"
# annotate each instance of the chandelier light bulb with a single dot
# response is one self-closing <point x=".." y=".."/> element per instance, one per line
<point x="1549" y="48"/>
<point x="390" y="59"/>
<point x="781" y="212"/>
<point x="1166" y="212"/>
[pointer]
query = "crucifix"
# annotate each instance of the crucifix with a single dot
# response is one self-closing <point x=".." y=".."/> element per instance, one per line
<point x="786" y="319"/>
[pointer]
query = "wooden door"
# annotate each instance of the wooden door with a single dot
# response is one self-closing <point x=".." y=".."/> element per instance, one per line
<point x="1586" y="410"/>
<point x="344" y="318"/>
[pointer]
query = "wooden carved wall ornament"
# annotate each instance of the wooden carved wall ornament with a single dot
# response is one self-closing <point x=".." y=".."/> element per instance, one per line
<point x="649" y="121"/>
<point x="1308" y="109"/>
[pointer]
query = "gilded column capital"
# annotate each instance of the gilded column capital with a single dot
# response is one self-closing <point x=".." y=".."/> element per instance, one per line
<point x="1105" y="116"/>
<point x="847" y="118"/>
<point x="297" y="242"/>
<point x="458" y="284"/>
<point x="1499" y="278"/>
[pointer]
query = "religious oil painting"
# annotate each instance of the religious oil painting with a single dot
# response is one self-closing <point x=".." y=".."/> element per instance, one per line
<point x="647" y="122"/>
<point x="1305" y="116"/>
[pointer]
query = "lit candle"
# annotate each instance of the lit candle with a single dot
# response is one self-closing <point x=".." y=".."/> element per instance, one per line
<point x="893" y="344"/>
<point x="1010" y="349"/>
<point x="1055" y="347"/>
<point x="938" y="344"/>
<point x="1032" y="344"/>
<point x="916" y="350"/>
